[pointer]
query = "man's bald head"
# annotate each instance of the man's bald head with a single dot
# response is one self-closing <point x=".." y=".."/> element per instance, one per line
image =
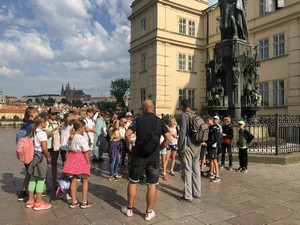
<point x="148" y="106"/>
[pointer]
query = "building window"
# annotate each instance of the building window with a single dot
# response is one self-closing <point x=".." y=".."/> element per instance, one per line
<point x="191" y="28"/>
<point x="143" y="25"/>
<point x="182" y="61"/>
<point x="143" y="62"/>
<point x="218" y="25"/>
<point x="278" y="44"/>
<point x="263" y="47"/>
<point x="143" y="94"/>
<point x="191" y="63"/>
<point x="266" y="6"/>
<point x="182" y="25"/>
<point x="187" y="94"/>
<point x="278" y="93"/>
<point x="264" y="91"/>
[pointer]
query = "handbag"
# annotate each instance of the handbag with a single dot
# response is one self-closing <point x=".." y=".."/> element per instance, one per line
<point x="226" y="141"/>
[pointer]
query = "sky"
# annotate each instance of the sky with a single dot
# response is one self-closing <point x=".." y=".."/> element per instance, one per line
<point x="46" y="43"/>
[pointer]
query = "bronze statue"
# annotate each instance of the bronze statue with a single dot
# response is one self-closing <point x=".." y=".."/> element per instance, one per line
<point x="233" y="23"/>
<point x="216" y="94"/>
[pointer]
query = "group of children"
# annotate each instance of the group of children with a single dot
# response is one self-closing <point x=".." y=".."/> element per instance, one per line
<point x="75" y="153"/>
<point x="216" y="147"/>
<point x="75" y="150"/>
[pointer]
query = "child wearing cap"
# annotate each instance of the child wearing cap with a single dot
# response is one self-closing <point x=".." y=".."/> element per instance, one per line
<point x="245" y="138"/>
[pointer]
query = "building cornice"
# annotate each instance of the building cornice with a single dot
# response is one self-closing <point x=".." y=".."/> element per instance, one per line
<point x="167" y="3"/>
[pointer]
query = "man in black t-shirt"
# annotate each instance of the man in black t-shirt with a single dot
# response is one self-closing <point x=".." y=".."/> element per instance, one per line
<point x="143" y="126"/>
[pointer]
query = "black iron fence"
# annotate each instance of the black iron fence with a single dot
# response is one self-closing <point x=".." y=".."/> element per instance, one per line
<point x="275" y="134"/>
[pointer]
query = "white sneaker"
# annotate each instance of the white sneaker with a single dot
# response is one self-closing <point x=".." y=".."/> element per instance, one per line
<point x="150" y="215"/>
<point x="68" y="197"/>
<point x="126" y="211"/>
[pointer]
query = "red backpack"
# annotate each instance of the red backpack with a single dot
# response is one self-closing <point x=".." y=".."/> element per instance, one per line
<point x="25" y="149"/>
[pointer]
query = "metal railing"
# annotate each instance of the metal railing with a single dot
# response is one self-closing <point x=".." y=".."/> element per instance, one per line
<point x="273" y="135"/>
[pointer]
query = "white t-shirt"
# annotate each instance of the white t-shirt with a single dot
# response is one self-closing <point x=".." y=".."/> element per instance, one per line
<point x="174" y="141"/>
<point x="64" y="136"/>
<point x="39" y="137"/>
<point x="79" y="144"/>
<point x="90" y="123"/>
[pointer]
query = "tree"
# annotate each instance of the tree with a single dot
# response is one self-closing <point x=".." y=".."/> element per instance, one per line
<point x="120" y="88"/>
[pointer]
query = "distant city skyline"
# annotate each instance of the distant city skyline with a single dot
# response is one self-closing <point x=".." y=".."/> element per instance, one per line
<point x="45" y="44"/>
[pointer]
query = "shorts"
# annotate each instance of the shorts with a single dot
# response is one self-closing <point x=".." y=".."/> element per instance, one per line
<point x="163" y="151"/>
<point x="212" y="153"/>
<point x="172" y="147"/>
<point x="203" y="152"/>
<point x="149" y="165"/>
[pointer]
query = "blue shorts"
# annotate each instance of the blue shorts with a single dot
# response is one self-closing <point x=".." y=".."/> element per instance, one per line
<point x="172" y="147"/>
<point x="163" y="152"/>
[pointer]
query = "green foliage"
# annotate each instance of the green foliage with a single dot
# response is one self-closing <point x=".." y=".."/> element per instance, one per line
<point x="107" y="106"/>
<point x="120" y="88"/>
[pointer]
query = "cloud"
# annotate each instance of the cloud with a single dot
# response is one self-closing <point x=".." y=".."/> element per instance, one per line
<point x="52" y="42"/>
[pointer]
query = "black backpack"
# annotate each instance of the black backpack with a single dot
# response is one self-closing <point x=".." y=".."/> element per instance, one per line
<point x="198" y="129"/>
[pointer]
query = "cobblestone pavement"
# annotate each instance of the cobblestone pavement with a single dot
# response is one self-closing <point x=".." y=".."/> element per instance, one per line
<point x="267" y="194"/>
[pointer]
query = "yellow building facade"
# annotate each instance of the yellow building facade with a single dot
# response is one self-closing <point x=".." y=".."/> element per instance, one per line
<point x="171" y="40"/>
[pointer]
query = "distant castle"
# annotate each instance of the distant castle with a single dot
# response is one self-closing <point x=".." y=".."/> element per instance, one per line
<point x="72" y="94"/>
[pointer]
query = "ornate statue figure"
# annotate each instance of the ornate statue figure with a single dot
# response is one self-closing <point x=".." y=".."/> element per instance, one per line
<point x="216" y="94"/>
<point x="253" y="98"/>
<point x="233" y="23"/>
<point x="236" y="73"/>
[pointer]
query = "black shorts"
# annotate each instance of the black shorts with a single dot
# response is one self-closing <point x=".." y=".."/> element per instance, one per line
<point x="212" y="153"/>
<point x="139" y="165"/>
<point x="203" y="152"/>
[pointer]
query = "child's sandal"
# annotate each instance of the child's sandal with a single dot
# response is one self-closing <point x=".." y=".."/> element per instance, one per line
<point x="85" y="205"/>
<point x="73" y="205"/>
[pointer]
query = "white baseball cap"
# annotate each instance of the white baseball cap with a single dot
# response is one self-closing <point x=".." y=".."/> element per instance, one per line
<point x="217" y="117"/>
<point x="242" y="122"/>
<point x="128" y="114"/>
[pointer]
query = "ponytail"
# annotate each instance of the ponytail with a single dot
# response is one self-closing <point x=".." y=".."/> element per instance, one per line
<point x="37" y="121"/>
<point x="76" y="126"/>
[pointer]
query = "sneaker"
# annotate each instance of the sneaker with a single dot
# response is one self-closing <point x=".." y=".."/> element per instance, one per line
<point x="244" y="170"/>
<point x="221" y="167"/>
<point x="44" y="194"/>
<point x="165" y="177"/>
<point x="230" y="168"/>
<point x="118" y="175"/>
<point x="182" y="199"/>
<point x="150" y="215"/>
<point x="172" y="173"/>
<point x="239" y="169"/>
<point x="29" y="204"/>
<point x="113" y="179"/>
<point x="73" y="205"/>
<point x="85" y="205"/>
<point x="22" y="196"/>
<point x="42" y="206"/>
<point x="212" y="176"/>
<point x="127" y="211"/>
<point x="216" y="180"/>
<point x="68" y="197"/>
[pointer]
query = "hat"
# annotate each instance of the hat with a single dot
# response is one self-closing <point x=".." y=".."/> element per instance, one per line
<point x="217" y="117"/>
<point x="53" y="111"/>
<point x="128" y="114"/>
<point x="241" y="122"/>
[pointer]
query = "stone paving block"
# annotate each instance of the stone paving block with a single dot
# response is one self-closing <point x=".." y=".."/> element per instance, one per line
<point x="250" y="219"/>
<point x="293" y="204"/>
<point x="188" y="220"/>
<point x="182" y="209"/>
<point x="296" y="216"/>
<point x="69" y="219"/>
<point x="210" y="217"/>
<point x="237" y="198"/>
<point x="286" y="221"/>
<point x="287" y="195"/>
<point x="276" y="212"/>
<point x="243" y="208"/>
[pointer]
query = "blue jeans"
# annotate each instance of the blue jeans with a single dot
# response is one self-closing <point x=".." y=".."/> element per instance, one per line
<point x="114" y="165"/>
<point x="229" y="152"/>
